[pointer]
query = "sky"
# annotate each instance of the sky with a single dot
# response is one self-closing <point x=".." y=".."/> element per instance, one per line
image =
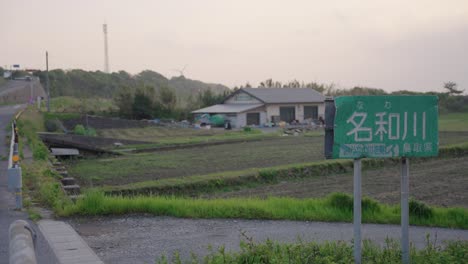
<point x="394" y="45"/>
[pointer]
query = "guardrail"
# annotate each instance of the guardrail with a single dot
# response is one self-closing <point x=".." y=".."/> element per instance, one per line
<point x="15" y="181"/>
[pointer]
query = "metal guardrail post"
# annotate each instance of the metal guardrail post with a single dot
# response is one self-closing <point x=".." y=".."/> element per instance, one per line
<point x="22" y="243"/>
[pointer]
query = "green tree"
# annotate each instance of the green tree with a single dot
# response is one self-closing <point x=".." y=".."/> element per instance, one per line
<point x="142" y="107"/>
<point x="167" y="98"/>
<point x="124" y="101"/>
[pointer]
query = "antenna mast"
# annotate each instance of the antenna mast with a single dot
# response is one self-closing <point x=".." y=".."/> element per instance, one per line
<point x="106" y="54"/>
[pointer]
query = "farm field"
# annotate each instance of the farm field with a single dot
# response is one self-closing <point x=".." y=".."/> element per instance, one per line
<point x="211" y="159"/>
<point x="440" y="182"/>
<point x="163" y="136"/>
<point x="453" y="122"/>
<point x="186" y="162"/>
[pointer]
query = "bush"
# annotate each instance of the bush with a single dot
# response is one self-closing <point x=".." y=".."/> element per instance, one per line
<point x="81" y="130"/>
<point x="345" y="202"/>
<point x="341" y="201"/>
<point x="52" y="125"/>
<point x="420" y="209"/>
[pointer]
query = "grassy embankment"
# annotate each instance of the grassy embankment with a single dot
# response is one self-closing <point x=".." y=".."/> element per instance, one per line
<point x="454" y="252"/>
<point x="40" y="182"/>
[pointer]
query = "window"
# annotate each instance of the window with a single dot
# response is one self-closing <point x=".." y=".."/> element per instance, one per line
<point x="311" y="112"/>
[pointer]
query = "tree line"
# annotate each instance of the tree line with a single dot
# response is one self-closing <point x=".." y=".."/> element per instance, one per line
<point x="149" y="94"/>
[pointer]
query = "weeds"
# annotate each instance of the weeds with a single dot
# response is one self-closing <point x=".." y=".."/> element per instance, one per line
<point x="327" y="252"/>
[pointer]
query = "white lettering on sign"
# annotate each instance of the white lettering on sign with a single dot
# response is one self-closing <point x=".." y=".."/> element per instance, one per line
<point x="405" y="125"/>
<point x="358" y="127"/>
<point x="395" y="116"/>
<point x="381" y="123"/>
<point x="387" y="126"/>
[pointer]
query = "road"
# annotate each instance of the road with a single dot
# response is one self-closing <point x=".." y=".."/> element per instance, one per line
<point x="7" y="201"/>
<point x="142" y="239"/>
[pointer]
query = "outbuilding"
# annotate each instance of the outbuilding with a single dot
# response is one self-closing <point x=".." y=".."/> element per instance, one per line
<point x="269" y="106"/>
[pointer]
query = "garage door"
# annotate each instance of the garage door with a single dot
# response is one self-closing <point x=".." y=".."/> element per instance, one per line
<point x="253" y="119"/>
<point x="287" y="113"/>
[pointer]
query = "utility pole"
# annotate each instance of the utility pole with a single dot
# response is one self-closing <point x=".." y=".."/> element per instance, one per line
<point x="47" y="81"/>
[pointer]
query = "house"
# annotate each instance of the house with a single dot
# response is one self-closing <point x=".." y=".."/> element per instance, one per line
<point x="267" y="106"/>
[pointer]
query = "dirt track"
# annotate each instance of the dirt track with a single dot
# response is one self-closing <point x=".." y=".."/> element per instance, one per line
<point x="142" y="239"/>
<point x="441" y="182"/>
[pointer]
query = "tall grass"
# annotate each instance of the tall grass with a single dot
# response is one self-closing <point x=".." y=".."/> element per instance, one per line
<point x="334" y="208"/>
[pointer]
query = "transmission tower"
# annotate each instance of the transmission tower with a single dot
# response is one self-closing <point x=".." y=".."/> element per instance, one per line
<point x="106" y="54"/>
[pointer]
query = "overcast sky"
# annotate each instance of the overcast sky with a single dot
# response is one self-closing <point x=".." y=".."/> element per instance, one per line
<point x="393" y="45"/>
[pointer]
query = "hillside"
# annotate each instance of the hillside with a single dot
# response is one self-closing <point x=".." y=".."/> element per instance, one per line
<point x="82" y="83"/>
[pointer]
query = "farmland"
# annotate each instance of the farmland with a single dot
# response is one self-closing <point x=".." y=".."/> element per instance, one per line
<point x="272" y="151"/>
<point x="186" y="162"/>
<point x="440" y="182"/>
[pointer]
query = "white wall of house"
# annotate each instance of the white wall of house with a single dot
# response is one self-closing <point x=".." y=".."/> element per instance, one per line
<point x="242" y="98"/>
<point x="241" y="120"/>
<point x="274" y="110"/>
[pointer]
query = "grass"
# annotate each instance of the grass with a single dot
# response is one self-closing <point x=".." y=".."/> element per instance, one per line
<point x="39" y="181"/>
<point x="453" y="122"/>
<point x="330" y="209"/>
<point x="71" y="104"/>
<point x="329" y="252"/>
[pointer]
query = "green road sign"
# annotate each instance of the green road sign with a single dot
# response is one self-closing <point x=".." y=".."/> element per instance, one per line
<point x="385" y="126"/>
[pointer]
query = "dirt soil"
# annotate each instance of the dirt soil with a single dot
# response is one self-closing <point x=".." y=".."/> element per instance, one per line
<point x="442" y="182"/>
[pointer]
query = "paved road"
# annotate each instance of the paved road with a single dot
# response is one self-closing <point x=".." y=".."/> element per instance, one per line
<point x="142" y="239"/>
<point x="7" y="201"/>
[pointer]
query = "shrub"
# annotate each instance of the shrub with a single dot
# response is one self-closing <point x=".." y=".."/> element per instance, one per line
<point x="370" y="205"/>
<point x="420" y="209"/>
<point x="341" y="201"/>
<point x="52" y="125"/>
<point x="345" y="202"/>
<point x="79" y="130"/>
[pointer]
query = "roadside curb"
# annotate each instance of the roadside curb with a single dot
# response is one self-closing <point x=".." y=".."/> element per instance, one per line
<point x="67" y="245"/>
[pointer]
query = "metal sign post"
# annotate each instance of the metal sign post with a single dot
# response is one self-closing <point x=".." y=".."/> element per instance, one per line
<point x="357" y="211"/>
<point x="359" y="127"/>
<point x="405" y="258"/>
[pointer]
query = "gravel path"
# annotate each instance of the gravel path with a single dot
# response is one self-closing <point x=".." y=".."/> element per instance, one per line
<point x="142" y="239"/>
